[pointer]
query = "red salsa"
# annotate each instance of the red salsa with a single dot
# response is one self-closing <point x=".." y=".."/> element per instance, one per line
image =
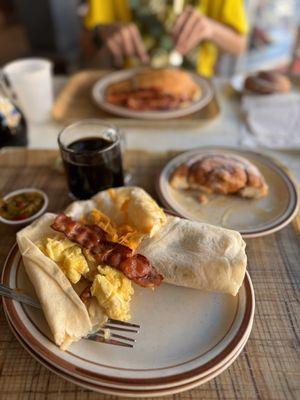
<point x="21" y="206"/>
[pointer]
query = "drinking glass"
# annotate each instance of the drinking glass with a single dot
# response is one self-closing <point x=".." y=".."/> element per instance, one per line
<point x="29" y="82"/>
<point x="91" y="153"/>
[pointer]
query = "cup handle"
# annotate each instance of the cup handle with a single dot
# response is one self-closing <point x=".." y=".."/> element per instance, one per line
<point x="6" y="88"/>
<point x="123" y="143"/>
<point x="127" y="172"/>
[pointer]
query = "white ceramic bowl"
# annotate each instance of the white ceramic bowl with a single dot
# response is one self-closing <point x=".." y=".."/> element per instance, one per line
<point x="32" y="217"/>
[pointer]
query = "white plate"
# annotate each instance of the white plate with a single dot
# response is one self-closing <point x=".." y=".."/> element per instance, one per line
<point x="130" y="392"/>
<point x="185" y="335"/>
<point x="99" y="89"/>
<point x="251" y="218"/>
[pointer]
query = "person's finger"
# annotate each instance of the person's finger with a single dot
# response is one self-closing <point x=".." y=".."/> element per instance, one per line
<point x="188" y="28"/>
<point x="192" y="43"/>
<point x="127" y="42"/>
<point x="106" y="31"/>
<point x="196" y="36"/>
<point x="140" y="50"/>
<point x="114" y="44"/>
<point x="180" y="21"/>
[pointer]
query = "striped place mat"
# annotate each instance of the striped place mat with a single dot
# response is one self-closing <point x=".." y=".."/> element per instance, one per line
<point x="268" y="367"/>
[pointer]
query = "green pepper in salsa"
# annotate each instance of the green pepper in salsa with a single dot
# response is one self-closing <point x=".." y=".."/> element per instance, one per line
<point x="21" y="206"/>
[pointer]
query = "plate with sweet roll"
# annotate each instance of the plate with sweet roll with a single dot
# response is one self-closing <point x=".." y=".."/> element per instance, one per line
<point x="233" y="188"/>
<point x="119" y="255"/>
<point x="149" y="93"/>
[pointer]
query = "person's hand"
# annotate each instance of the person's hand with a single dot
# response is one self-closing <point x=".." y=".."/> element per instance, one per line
<point x="123" y="40"/>
<point x="190" y="28"/>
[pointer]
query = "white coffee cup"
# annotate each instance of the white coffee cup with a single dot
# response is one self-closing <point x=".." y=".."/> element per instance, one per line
<point x="29" y="83"/>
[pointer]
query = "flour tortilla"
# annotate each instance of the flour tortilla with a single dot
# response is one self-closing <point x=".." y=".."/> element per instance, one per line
<point x="65" y="313"/>
<point x="125" y="205"/>
<point x="197" y="255"/>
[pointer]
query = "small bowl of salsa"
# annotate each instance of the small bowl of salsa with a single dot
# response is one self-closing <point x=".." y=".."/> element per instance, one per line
<point x="22" y="206"/>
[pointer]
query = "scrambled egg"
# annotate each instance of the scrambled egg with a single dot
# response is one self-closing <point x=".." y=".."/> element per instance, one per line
<point x="113" y="292"/>
<point x="67" y="255"/>
<point x="92" y="265"/>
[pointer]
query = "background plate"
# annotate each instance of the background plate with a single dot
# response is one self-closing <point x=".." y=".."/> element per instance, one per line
<point x="251" y="218"/>
<point x="100" y="87"/>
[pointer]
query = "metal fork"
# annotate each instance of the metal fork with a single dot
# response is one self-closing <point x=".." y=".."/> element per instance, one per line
<point x="103" y="335"/>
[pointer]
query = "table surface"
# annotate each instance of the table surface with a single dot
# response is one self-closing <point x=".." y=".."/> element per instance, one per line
<point x="268" y="367"/>
<point x="223" y="130"/>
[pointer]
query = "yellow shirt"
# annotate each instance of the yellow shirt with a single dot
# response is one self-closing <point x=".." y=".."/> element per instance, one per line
<point x="107" y="12"/>
<point x="228" y="12"/>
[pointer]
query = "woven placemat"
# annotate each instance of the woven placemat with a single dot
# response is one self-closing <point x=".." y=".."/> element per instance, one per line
<point x="75" y="102"/>
<point x="268" y="367"/>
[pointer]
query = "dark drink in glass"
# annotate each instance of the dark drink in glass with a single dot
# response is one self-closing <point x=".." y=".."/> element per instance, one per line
<point x="91" y="153"/>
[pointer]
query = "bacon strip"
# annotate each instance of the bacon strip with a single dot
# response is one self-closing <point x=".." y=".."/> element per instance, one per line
<point x="135" y="266"/>
<point x="146" y="99"/>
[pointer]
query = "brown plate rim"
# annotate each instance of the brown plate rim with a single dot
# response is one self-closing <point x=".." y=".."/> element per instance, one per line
<point x="151" y="115"/>
<point x="129" y="392"/>
<point x="9" y="307"/>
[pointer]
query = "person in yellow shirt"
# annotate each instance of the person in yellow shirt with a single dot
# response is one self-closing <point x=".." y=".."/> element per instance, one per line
<point x="136" y="29"/>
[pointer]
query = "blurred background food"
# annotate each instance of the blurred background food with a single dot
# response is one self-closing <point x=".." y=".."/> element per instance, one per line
<point x="69" y="32"/>
<point x="223" y="39"/>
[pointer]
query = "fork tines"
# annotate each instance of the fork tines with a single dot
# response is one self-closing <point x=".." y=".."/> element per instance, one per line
<point x="113" y="324"/>
<point x="117" y="322"/>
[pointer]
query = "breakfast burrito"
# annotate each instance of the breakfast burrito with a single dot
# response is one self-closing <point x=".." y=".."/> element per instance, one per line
<point x="84" y="263"/>
<point x="186" y="253"/>
<point x="82" y="269"/>
<point x="197" y="255"/>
